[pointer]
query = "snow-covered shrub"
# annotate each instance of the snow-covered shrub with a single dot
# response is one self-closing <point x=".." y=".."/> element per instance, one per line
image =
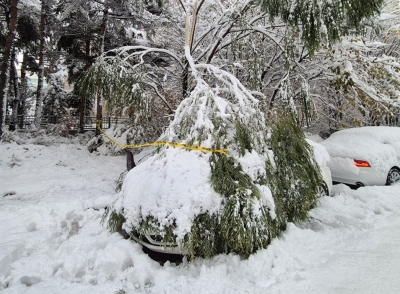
<point x="42" y="139"/>
<point x="7" y="137"/>
<point x="57" y="130"/>
<point x="83" y="138"/>
<point x="94" y="143"/>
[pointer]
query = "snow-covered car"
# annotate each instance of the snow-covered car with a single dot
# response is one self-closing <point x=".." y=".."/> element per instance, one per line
<point x="322" y="158"/>
<point x="365" y="156"/>
<point x="155" y="243"/>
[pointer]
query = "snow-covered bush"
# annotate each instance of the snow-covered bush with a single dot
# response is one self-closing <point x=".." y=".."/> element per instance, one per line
<point x="60" y="129"/>
<point x="45" y="137"/>
<point x="94" y="143"/>
<point x="7" y="137"/>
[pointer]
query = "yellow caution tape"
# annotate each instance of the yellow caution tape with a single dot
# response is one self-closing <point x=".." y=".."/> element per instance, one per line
<point x="173" y="144"/>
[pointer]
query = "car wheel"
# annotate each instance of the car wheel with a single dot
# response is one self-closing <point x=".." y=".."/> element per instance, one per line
<point x="322" y="191"/>
<point x="393" y="176"/>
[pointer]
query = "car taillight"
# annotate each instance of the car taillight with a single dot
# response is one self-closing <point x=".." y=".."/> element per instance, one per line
<point x="361" y="163"/>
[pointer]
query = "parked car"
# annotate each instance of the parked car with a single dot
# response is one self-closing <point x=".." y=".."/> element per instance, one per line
<point x="155" y="242"/>
<point x="365" y="156"/>
<point x="323" y="159"/>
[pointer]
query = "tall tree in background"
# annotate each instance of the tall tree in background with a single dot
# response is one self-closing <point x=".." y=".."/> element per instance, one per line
<point x="82" y="38"/>
<point x="270" y="47"/>
<point x="11" y="9"/>
<point x="360" y="80"/>
<point x="99" y="106"/>
<point x="27" y="45"/>
<point x="267" y="45"/>
<point x="39" y="91"/>
<point x="17" y="96"/>
<point x="24" y="44"/>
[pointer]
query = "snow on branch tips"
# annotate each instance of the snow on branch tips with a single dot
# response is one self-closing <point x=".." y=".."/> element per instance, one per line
<point x="129" y="53"/>
<point x="217" y="106"/>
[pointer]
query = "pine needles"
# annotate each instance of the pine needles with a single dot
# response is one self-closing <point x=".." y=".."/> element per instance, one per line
<point x="296" y="178"/>
<point x="114" y="220"/>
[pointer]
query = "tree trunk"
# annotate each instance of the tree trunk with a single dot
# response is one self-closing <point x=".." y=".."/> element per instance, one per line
<point x="23" y="92"/>
<point x="99" y="109"/>
<point x="6" y="62"/>
<point x="185" y="78"/>
<point x="39" y="92"/>
<point x="82" y="109"/>
<point x="82" y="114"/>
<point x="15" y="102"/>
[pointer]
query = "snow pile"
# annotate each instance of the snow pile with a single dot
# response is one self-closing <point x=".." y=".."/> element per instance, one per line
<point x="43" y="191"/>
<point x="380" y="146"/>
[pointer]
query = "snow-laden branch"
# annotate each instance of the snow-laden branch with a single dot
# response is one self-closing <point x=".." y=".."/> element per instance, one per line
<point x="239" y="91"/>
<point x="212" y="27"/>
<point x="140" y="52"/>
<point x="154" y="86"/>
<point x="221" y="28"/>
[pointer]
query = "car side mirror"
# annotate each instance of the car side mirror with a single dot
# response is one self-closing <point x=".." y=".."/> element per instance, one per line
<point x="130" y="162"/>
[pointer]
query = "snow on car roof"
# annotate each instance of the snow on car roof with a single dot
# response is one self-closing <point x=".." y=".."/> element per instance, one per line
<point x="171" y="186"/>
<point x="379" y="145"/>
<point x="381" y="134"/>
<point x="174" y="187"/>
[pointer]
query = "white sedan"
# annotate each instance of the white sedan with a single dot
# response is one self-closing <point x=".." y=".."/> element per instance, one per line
<point x="365" y="156"/>
<point x="322" y="158"/>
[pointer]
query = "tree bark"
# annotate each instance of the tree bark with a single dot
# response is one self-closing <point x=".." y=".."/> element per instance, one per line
<point x="15" y="102"/>
<point x="24" y="89"/>
<point x="185" y="81"/>
<point x="6" y="62"/>
<point x="99" y="109"/>
<point x="82" y="109"/>
<point x="39" y="92"/>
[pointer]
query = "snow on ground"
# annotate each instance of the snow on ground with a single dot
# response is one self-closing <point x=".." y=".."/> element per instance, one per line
<point x="52" y="241"/>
